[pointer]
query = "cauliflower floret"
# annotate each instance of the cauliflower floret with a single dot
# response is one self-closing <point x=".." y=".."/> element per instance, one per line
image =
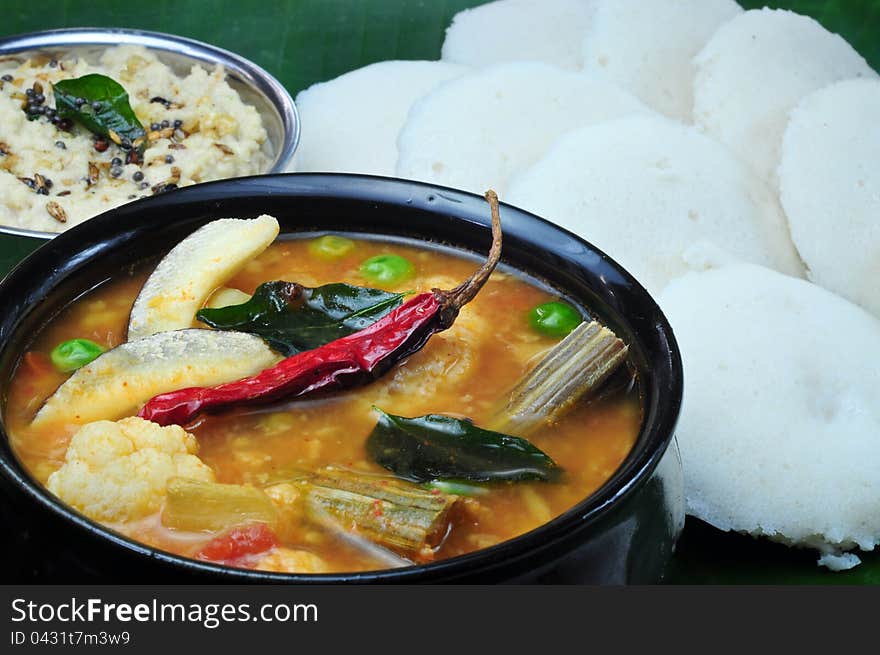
<point x="116" y="471"/>
<point x="287" y="560"/>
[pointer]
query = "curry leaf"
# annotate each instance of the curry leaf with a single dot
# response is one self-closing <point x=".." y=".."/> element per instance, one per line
<point x="441" y="447"/>
<point x="293" y="318"/>
<point x="103" y="108"/>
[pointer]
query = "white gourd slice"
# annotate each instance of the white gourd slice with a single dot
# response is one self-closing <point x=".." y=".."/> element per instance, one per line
<point x="120" y="381"/>
<point x="193" y="269"/>
<point x="226" y="296"/>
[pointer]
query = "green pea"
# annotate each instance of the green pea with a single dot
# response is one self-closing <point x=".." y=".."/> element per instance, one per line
<point x="331" y="246"/>
<point x="554" y="319"/>
<point x="70" y="355"/>
<point x="387" y="269"/>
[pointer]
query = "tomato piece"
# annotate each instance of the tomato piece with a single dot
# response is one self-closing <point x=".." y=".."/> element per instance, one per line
<point x="239" y="542"/>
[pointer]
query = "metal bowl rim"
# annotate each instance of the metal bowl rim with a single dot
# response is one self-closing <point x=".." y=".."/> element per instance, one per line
<point x="282" y="101"/>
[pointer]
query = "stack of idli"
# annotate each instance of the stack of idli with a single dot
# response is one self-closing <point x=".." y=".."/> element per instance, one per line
<point x="780" y="433"/>
<point x="755" y="69"/>
<point x="646" y="46"/>
<point x="830" y="184"/>
<point x="648" y="189"/>
<point x="350" y="124"/>
<point x="480" y="129"/>
<point x="721" y="156"/>
<point x="519" y="30"/>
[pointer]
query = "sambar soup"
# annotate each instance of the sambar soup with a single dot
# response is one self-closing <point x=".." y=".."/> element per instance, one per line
<point x="322" y="403"/>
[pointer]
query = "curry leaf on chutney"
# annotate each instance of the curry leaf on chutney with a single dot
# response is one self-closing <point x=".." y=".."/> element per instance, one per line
<point x="101" y="105"/>
<point x="293" y="318"/>
<point x="442" y="447"/>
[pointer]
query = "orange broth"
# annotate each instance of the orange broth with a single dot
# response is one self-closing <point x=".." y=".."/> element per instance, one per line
<point x="465" y="371"/>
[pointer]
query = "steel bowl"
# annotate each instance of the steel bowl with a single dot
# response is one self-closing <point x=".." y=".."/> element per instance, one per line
<point x="255" y="86"/>
<point x="625" y="532"/>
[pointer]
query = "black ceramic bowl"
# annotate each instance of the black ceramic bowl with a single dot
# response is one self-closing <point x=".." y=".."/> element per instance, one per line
<point x="623" y="533"/>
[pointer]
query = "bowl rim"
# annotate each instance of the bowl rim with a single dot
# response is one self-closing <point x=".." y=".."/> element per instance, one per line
<point x="258" y="78"/>
<point x="640" y="463"/>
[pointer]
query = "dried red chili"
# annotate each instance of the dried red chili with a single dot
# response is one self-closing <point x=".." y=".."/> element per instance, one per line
<point x="343" y="363"/>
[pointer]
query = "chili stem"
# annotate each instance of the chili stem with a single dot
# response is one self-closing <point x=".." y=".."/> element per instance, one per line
<point x="465" y="292"/>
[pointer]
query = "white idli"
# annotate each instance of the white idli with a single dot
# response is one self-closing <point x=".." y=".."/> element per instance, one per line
<point x="830" y="184"/>
<point x="519" y="30"/>
<point x="755" y="70"/>
<point x="350" y="124"/>
<point x="780" y="430"/>
<point x="476" y="131"/>
<point x="647" y="189"/>
<point x="646" y="46"/>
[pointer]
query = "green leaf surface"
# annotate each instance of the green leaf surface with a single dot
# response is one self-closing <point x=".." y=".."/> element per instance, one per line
<point x="106" y="110"/>
<point x="306" y="41"/>
<point x="13" y="249"/>
<point x="435" y="447"/>
<point x="293" y="318"/>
